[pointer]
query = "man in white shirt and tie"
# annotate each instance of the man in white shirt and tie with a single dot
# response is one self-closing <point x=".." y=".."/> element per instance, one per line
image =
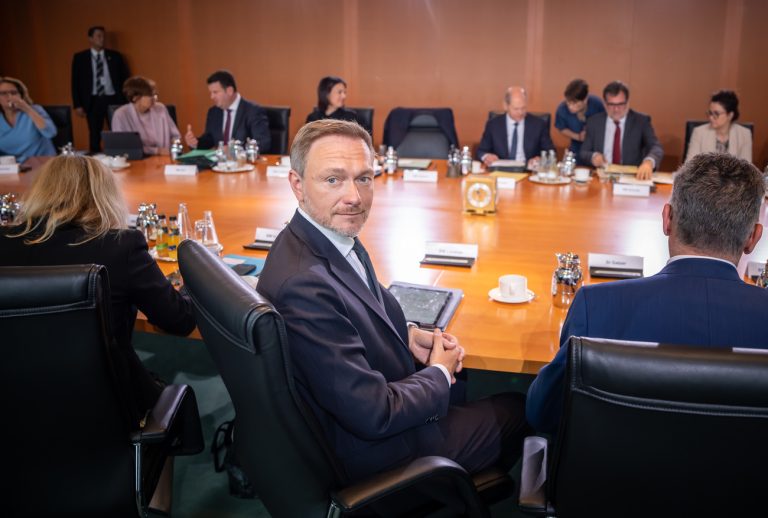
<point x="230" y="117"/>
<point x="621" y="135"/>
<point x="98" y="75"/>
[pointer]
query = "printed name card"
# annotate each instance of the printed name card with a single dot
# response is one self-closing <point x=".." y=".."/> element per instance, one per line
<point x="624" y="189"/>
<point x="278" y="171"/>
<point x="506" y="183"/>
<point x="263" y="239"/>
<point x="9" y="168"/>
<point x="419" y="175"/>
<point x="180" y="170"/>
<point x="450" y="254"/>
<point x="615" y="266"/>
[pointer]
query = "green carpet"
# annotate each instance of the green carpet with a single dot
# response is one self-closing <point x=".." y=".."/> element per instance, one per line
<point x="200" y="492"/>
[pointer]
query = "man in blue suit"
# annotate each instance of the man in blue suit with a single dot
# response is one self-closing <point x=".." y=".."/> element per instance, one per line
<point x="516" y="135"/>
<point x="230" y="117"/>
<point x="379" y="388"/>
<point x="697" y="299"/>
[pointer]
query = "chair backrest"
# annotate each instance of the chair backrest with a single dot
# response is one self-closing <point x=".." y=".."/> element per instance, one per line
<point x="113" y="107"/>
<point x="61" y="115"/>
<point x="649" y="428"/>
<point x="66" y="428"/>
<point x="365" y="118"/>
<point x="690" y="125"/>
<point x="279" y="444"/>
<point x="546" y="117"/>
<point x="278" y="118"/>
<point x="420" y="132"/>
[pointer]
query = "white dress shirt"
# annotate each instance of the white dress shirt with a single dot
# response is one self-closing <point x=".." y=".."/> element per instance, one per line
<point x="678" y="257"/>
<point x="519" y="153"/>
<point x="610" y="132"/>
<point x="232" y="116"/>
<point x="106" y="80"/>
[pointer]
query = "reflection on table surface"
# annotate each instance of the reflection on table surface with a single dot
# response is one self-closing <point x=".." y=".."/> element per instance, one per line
<point x="533" y="222"/>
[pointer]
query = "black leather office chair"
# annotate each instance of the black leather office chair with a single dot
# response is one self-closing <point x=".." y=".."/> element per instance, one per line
<point x="658" y="430"/>
<point x="277" y="439"/>
<point x="113" y="107"/>
<point x="365" y="118"/>
<point x="420" y="132"/>
<point x="61" y="115"/>
<point x="279" y="119"/>
<point x="68" y="445"/>
<point x="691" y="124"/>
<point x="546" y="117"/>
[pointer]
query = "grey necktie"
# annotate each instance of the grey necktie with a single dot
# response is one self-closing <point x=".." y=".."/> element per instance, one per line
<point x="99" y="75"/>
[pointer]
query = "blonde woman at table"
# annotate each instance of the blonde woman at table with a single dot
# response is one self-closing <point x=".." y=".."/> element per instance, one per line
<point x="145" y="115"/>
<point x="25" y="129"/>
<point x="722" y="134"/>
<point x="74" y="213"/>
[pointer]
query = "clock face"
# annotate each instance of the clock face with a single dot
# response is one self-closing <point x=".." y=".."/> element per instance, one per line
<point x="479" y="195"/>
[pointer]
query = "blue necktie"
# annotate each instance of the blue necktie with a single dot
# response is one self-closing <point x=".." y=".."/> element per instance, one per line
<point x="513" y="147"/>
<point x="373" y="283"/>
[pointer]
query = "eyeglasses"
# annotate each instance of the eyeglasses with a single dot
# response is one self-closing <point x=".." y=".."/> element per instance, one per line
<point x="615" y="105"/>
<point x="9" y="92"/>
<point x="713" y="114"/>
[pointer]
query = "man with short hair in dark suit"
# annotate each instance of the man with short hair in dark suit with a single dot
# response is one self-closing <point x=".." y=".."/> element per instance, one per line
<point x="98" y="75"/>
<point x="516" y="135"/>
<point x="230" y="117"/>
<point x="698" y="298"/>
<point x="621" y="135"/>
<point x="380" y="388"/>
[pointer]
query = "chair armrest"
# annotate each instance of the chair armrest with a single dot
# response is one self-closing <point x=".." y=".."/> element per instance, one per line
<point x="358" y="496"/>
<point x="174" y="418"/>
<point x="533" y="477"/>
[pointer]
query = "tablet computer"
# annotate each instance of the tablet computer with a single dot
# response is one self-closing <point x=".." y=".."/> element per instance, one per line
<point x="427" y="306"/>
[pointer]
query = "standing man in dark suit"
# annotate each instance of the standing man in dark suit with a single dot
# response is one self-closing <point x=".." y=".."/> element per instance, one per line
<point x="379" y="387"/>
<point x="515" y="135"/>
<point x="230" y="117"/>
<point x="98" y="75"/>
<point x="698" y="298"/>
<point x="621" y="136"/>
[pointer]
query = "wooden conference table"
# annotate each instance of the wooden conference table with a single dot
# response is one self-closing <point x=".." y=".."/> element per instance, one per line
<point x="533" y="223"/>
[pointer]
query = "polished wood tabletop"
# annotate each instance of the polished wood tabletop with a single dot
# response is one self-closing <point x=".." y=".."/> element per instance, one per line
<point x="533" y="222"/>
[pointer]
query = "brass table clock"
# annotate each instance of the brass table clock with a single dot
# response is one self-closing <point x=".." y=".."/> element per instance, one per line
<point x="480" y="194"/>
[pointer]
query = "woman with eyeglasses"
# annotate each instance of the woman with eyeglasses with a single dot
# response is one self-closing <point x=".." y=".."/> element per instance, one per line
<point x="146" y="116"/>
<point x="25" y="129"/>
<point x="722" y="134"/>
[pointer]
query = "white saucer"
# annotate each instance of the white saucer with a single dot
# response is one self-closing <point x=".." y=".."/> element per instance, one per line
<point x="560" y="180"/>
<point x="119" y="167"/>
<point x="245" y="168"/>
<point x="495" y="294"/>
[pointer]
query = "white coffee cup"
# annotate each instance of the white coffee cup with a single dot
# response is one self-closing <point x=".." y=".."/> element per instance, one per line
<point x="513" y="286"/>
<point x="285" y="160"/>
<point x="581" y="174"/>
<point x="119" y="161"/>
<point x="477" y="166"/>
<point x="7" y="160"/>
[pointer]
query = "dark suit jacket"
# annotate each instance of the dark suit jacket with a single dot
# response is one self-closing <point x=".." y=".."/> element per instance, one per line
<point x="535" y="138"/>
<point x="690" y="302"/>
<point x="82" y="77"/>
<point x="638" y="142"/>
<point x="350" y="355"/>
<point x="250" y="122"/>
<point x="135" y="282"/>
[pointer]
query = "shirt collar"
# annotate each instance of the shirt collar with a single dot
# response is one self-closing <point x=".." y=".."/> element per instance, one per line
<point x="679" y="257"/>
<point x="342" y="243"/>
<point x="234" y="105"/>
<point x="95" y="53"/>
<point x="511" y="121"/>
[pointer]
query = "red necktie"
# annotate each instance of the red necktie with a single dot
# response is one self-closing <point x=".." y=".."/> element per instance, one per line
<point x="227" y="127"/>
<point x="617" y="144"/>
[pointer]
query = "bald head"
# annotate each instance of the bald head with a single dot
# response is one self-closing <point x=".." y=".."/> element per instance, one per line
<point x="516" y="102"/>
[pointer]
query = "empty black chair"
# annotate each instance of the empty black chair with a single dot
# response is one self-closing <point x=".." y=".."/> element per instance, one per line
<point x="546" y="117"/>
<point x="113" y="107"/>
<point x="691" y="125"/>
<point x="365" y="118"/>
<point x="277" y="439"/>
<point x="420" y="132"/>
<point x="69" y="442"/>
<point x="658" y="430"/>
<point x="279" y="119"/>
<point x="61" y="115"/>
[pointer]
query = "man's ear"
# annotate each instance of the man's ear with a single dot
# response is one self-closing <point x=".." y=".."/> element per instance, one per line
<point x="753" y="238"/>
<point x="297" y="185"/>
<point x="666" y="218"/>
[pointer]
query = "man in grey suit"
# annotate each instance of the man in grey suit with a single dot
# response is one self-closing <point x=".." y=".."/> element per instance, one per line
<point x="621" y="135"/>
<point x="379" y="387"/>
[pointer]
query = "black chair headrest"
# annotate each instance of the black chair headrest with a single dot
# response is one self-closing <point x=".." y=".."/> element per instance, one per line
<point x="33" y="288"/>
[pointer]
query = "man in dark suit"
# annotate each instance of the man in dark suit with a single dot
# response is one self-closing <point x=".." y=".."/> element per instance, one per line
<point x="380" y="389"/>
<point x="698" y="298"/>
<point x="230" y="117"/>
<point x="516" y="135"/>
<point x="621" y="136"/>
<point x="98" y="75"/>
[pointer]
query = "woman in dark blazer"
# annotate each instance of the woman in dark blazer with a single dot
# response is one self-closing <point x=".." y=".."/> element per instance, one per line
<point x="74" y="213"/>
<point x="331" y="96"/>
